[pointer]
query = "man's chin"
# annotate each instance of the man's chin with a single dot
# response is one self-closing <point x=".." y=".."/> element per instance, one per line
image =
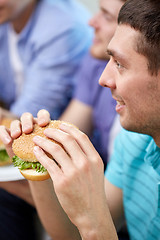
<point x="130" y="127"/>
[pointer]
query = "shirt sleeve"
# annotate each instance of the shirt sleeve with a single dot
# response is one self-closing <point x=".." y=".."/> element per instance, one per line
<point x="50" y="74"/>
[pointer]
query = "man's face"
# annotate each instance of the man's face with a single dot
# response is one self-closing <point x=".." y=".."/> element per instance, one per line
<point x="104" y="24"/>
<point x="136" y="91"/>
<point x="10" y="9"/>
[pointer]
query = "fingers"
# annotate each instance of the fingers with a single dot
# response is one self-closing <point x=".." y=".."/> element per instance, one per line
<point x="6" y="139"/>
<point x="5" y="135"/>
<point x="27" y="122"/>
<point x="55" y="150"/>
<point x="15" y="129"/>
<point x="43" y="117"/>
<point x="81" y="138"/>
<point x="48" y="163"/>
<point x="70" y="145"/>
<point x="74" y="138"/>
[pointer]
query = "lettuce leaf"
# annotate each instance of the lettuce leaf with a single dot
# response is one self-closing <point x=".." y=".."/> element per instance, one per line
<point x="3" y="155"/>
<point x="18" y="162"/>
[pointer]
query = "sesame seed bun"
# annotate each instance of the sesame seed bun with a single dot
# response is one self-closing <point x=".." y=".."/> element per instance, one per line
<point x="23" y="145"/>
<point x="33" y="175"/>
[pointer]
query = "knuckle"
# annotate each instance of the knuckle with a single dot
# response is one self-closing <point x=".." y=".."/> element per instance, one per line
<point x="83" y="136"/>
<point x="55" y="147"/>
<point x="98" y="162"/>
<point x="68" y="138"/>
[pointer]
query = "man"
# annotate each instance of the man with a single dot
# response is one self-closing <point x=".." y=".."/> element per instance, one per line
<point x="53" y="206"/>
<point x="42" y="45"/>
<point x="131" y="188"/>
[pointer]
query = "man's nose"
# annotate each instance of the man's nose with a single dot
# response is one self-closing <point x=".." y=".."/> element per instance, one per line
<point x="107" y="78"/>
<point x="94" y="21"/>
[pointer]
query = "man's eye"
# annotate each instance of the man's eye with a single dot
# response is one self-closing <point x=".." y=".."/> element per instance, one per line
<point x="118" y="64"/>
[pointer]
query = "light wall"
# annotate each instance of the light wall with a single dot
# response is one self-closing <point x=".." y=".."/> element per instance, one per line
<point x="92" y="5"/>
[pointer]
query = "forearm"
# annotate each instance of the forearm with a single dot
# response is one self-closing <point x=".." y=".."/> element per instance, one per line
<point x="53" y="218"/>
<point x="19" y="189"/>
<point x="98" y="225"/>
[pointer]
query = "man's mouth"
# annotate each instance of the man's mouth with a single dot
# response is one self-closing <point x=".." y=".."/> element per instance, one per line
<point x="120" y="102"/>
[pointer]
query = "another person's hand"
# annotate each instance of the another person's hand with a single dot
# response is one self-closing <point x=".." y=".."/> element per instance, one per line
<point x="78" y="177"/>
<point x="25" y="125"/>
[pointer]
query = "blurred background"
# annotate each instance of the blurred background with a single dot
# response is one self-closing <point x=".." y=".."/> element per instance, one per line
<point x="92" y="5"/>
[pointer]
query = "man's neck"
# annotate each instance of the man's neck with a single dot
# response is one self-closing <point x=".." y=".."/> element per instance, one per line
<point x="19" y="22"/>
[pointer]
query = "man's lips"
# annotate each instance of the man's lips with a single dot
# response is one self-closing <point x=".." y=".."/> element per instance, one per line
<point x="120" y="105"/>
<point x="120" y="102"/>
<point x="96" y="40"/>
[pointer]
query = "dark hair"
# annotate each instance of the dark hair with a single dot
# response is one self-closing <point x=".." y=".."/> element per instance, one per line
<point x="144" y="16"/>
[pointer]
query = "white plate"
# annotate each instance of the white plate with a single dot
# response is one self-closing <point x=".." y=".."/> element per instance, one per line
<point x="10" y="173"/>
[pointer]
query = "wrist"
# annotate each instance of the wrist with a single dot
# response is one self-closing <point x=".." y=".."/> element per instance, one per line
<point x="97" y="229"/>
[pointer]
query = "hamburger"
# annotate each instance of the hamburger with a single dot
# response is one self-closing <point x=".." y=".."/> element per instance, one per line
<point x="24" y="157"/>
<point x="4" y="158"/>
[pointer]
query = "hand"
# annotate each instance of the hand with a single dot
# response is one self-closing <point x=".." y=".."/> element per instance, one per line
<point x="20" y="188"/>
<point x="78" y="177"/>
<point x="26" y="125"/>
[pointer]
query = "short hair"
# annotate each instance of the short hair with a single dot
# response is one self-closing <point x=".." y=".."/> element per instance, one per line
<point x="144" y="16"/>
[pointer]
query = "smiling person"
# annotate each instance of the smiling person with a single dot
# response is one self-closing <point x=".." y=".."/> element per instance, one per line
<point x="95" y="206"/>
<point x="42" y="45"/>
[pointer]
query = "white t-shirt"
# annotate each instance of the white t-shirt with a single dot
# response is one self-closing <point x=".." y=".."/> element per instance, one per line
<point x="116" y="127"/>
<point x="15" y="60"/>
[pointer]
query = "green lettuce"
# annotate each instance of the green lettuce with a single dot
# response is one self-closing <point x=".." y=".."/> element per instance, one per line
<point x="3" y="155"/>
<point x="18" y="162"/>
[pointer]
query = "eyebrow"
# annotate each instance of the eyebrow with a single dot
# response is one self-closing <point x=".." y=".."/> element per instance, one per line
<point x="117" y="55"/>
<point x="107" y="12"/>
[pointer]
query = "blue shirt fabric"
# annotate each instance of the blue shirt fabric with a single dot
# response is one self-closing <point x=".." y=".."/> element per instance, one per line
<point x="100" y="99"/>
<point x="50" y="47"/>
<point x="135" y="168"/>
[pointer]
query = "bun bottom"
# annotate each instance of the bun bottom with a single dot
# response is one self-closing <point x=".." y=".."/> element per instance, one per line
<point x="33" y="175"/>
<point x="5" y="163"/>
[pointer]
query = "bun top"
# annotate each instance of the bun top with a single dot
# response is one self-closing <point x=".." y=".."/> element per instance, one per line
<point x="6" y="122"/>
<point x="23" y="145"/>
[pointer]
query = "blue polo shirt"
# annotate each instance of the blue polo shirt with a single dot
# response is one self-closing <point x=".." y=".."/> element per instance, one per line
<point x="135" y="168"/>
